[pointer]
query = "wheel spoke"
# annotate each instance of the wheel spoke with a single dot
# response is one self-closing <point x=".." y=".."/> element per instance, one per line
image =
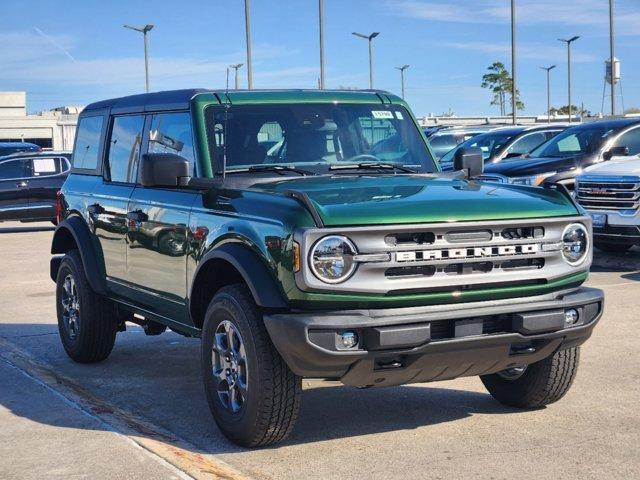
<point x="229" y="366"/>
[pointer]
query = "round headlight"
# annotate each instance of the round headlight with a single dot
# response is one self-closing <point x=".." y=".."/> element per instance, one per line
<point x="575" y="243"/>
<point x="332" y="259"/>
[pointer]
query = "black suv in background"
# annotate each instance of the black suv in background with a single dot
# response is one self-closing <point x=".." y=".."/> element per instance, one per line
<point x="29" y="182"/>
<point x="7" y="148"/>
<point x="505" y="142"/>
<point x="565" y="155"/>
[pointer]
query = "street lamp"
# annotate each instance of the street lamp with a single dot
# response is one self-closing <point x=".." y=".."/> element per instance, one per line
<point x="402" y="69"/>
<point x="144" y="30"/>
<point x="569" y="42"/>
<point x="514" y="88"/>
<point x="247" y="25"/>
<point x="321" y="25"/>
<point x="548" y="69"/>
<point x="612" y="59"/>
<point x="370" y="39"/>
<point x="236" y="67"/>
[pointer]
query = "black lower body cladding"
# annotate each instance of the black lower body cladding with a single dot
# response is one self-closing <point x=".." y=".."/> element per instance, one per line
<point x="421" y="344"/>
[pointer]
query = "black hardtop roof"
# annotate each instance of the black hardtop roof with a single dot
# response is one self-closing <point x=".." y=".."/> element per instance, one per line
<point x="179" y="99"/>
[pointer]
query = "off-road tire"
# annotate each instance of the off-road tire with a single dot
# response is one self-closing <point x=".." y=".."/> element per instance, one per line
<point x="273" y="391"/>
<point x="612" y="247"/>
<point x="542" y="383"/>
<point x="98" y="324"/>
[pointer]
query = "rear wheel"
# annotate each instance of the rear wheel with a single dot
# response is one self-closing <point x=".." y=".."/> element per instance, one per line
<point x="612" y="247"/>
<point x="252" y="394"/>
<point x="87" y="328"/>
<point x="535" y="385"/>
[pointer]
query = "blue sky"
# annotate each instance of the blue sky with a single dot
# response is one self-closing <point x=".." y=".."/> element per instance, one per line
<point x="71" y="52"/>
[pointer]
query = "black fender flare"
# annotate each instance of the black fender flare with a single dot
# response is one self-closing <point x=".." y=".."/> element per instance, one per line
<point x="73" y="230"/>
<point x="252" y="269"/>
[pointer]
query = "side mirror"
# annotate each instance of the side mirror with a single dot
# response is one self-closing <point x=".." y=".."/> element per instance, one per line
<point x="615" y="152"/>
<point x="470" y="160"/>
<point x="513" y="154"/>
<point x="163" y="170"/>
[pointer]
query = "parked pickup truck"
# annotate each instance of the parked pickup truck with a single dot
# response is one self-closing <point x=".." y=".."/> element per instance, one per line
<point x="610" y="192"/>
<point x="312" y="234"/>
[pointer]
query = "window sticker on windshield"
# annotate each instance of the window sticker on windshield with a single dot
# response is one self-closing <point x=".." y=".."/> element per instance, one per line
<point x="399" y="116"/>
<point x="382" y="114"/>
<point x="44" y="165"/>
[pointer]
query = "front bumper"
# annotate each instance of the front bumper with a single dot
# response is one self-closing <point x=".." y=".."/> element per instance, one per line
<point x="421" y="344"/>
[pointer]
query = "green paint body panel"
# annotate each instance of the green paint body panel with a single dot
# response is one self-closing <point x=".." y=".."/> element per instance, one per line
<point x="263" y="219"/>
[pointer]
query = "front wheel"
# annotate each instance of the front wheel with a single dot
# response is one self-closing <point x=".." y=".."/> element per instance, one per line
<point x="535" y="385"/>
<point x="253" y="395"/>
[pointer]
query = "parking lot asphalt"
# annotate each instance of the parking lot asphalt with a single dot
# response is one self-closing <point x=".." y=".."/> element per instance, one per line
<point x="142" y="412"/>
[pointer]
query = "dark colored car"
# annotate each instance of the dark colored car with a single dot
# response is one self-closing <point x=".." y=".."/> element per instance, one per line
<point x="7" y="148"/>
<point x="446" y="139"/>
<point x="311" y="234"/>
<point x="505" y="143"/>
<point x="564" y="156"/>
<point x="29" y="182"/>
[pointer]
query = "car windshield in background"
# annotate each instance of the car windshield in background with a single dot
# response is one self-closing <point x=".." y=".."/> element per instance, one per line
<point x="489" y="143"/>
<point x="316" y="138"/>
<point x="574" y="141"/>
<point x="442" y="143"/>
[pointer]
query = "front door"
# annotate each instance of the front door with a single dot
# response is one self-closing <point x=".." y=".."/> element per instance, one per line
<point x="14" y="190"/>
<point x="158" y="220"/>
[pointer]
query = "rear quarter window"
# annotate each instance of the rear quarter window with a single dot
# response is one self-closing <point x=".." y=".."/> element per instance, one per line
<point x="87" y="147"/>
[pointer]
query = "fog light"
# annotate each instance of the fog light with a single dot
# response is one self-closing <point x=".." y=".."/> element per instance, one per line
<point x="570" y="317"/>
<point x="349" y="339"/>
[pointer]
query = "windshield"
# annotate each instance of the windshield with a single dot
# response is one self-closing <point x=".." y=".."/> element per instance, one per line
<point x="574" y="141"/>
<point x="489" y="143"/>
<point x="315" y="137"/>
<point x="441" y="143"/>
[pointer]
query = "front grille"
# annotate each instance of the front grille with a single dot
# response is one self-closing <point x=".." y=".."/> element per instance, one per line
<point x="608" y="195"/>
<point x="451" y="257"/>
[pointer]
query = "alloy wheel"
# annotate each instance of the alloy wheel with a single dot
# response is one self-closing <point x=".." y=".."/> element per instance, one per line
<point x="70" y="301"/>
<point x="230" y="370"/>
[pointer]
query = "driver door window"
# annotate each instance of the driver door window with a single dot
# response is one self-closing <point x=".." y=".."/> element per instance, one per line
<point x="631" y="140"/>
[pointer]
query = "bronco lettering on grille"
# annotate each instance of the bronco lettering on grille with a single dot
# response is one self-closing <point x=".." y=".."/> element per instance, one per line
<point x="471" y="252"/>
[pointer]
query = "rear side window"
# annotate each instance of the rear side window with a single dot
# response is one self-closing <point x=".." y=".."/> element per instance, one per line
<point x="124" y="147"/>
<point x="12" y="169"/>
<point x="171" y="133"/>
<point x="48" y="166"/>
<point x="85" y="153"/>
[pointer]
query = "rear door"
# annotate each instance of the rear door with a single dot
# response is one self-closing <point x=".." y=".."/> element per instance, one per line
<point x="108" y="205"/>
<point x="14" y="190"/>
<point x="158" y="224"/>
<point x="46" y="176"/>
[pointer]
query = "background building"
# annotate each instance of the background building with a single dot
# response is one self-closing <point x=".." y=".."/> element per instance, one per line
<point x="53" y="129"/>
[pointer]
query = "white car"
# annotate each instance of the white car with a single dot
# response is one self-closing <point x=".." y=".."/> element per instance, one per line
<point x="610" y="192"/>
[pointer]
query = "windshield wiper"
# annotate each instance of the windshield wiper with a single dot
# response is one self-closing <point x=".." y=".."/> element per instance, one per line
<point x="372" y="166"/>
<point x="279" y="169"/>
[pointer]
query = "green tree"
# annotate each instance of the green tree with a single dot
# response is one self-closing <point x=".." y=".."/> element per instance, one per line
<point x="630" y="111"/>
<point x="499" y="81"/>
<point x="564" y="110"/>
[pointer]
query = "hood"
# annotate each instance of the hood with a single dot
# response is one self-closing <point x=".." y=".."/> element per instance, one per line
<point x="535" y="166"/>
<point x="395" y="199"/>
<point x="617" y="166"/>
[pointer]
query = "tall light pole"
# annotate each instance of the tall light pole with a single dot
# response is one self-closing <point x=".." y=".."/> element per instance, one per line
<point x="514" y="89"/>
<point x="236" y="67"/>
<point x="612" y="59"/>
<point x="144" y="30"/>
<point x="370" y="39"/>
<point x="247" y="26"/>
<point x="548" y="69"/>
<point x="402" y="69"/>
<point x="569" y="41"/>
<point x="321" y="25"/>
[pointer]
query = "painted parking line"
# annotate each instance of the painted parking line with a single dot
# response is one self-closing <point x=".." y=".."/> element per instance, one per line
<point x="157" y="441"/>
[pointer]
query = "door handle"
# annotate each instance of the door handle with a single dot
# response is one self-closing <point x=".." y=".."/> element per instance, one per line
<point x="137" y="216"/>
<point x="22" y="184"/>
<point x="95" y="209"/>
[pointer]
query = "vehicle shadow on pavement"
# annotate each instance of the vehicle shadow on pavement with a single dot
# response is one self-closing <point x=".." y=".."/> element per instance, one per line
<point x="158" y="380"/>
<point x="628" y="261"/>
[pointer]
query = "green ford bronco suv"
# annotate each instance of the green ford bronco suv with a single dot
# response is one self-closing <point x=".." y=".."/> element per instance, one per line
<point x="312" y="234"/>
